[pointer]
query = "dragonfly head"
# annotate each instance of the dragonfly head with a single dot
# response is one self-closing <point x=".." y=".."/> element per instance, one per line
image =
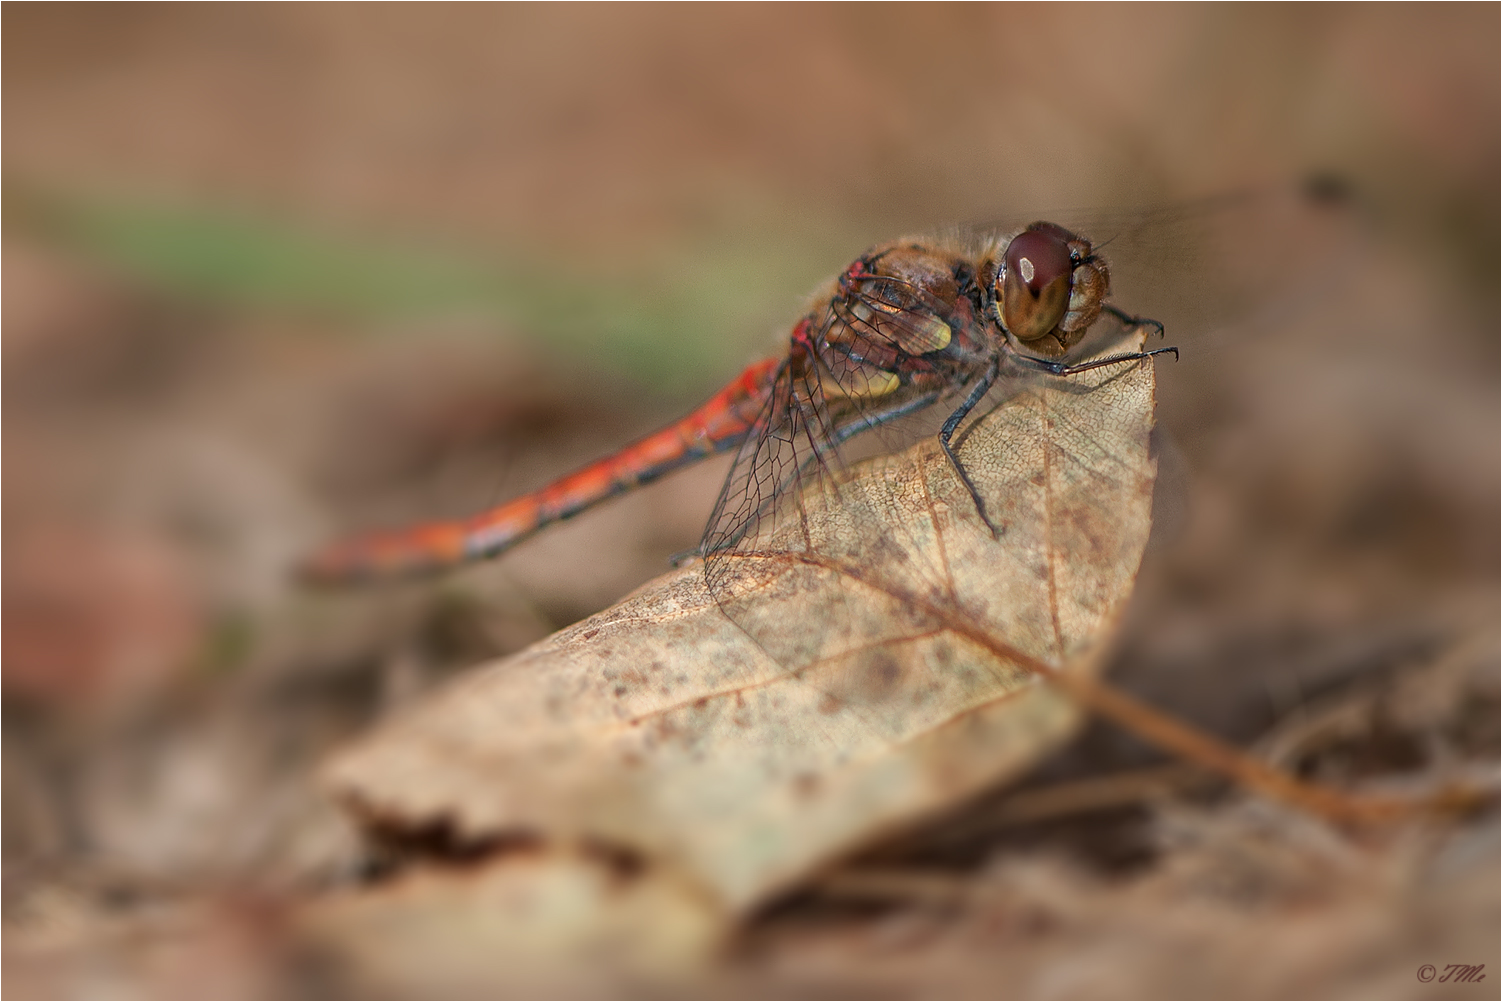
<point x="1049" y="288"/>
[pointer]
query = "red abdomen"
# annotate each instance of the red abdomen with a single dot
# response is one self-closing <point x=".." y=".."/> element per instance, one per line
<point x="721" y="423"/>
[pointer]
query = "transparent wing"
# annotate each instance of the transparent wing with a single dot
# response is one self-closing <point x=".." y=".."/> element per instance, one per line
<point x="862" y="578"/>
<point x="864" y="362"/>
<point x="804" y="439"/>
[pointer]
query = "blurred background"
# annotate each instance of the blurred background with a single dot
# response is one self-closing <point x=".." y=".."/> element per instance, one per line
<point x="277" y="272"/>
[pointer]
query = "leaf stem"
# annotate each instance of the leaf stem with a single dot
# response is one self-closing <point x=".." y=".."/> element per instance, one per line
<point x="1173" y="735"/>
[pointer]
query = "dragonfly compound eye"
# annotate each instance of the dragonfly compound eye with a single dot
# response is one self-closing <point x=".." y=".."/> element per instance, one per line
<point x="1033" y="289"/>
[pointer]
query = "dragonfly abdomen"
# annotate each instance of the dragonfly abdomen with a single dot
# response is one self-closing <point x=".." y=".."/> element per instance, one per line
<point x="721" y="423"/>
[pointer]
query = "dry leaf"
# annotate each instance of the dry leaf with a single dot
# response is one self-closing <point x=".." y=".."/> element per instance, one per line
<point x="741" y="748"/>
<point x="518" y="926"/>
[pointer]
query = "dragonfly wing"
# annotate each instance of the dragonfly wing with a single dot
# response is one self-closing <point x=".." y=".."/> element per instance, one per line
<point x="793" y="503"/>
<point x="855" y="577"/>
<point x="794" y="442"/>
<point x="800" y="442"/>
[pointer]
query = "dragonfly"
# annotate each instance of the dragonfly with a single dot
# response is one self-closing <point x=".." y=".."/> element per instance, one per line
<point x="908" y="326"/>
<point x="907" y="341"/>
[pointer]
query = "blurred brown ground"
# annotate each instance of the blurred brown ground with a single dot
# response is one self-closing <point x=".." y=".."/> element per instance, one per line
<point x="179" y="426"/>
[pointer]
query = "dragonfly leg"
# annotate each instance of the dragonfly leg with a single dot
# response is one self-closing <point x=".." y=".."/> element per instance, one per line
<point x="1131" y="320"/>
<point x="1129" y="356"/>
<point x="947" y="432"/>
<point x="1059" y="368"/>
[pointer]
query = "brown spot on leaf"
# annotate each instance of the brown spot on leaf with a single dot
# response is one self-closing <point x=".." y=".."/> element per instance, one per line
<point x="880" y="672"/>
<point x="806" y="785"/>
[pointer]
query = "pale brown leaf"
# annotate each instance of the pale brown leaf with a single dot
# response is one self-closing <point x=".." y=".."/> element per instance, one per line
<point x="829" y="700"/>
<point x="543" y="922"/>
